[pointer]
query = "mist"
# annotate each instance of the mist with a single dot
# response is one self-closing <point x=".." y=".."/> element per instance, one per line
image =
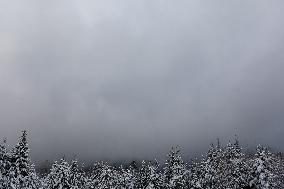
<point x="129" y="79"/>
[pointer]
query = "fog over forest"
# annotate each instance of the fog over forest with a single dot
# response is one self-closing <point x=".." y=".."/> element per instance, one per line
<point x="129" y="79"/>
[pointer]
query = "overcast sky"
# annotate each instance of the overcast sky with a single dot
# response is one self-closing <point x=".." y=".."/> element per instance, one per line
<point x="128" y="79"/>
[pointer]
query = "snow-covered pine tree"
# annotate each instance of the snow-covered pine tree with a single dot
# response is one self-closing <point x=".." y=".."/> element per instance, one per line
<point x="4" y="165"/>
<point x="234" y="167"/>
<point x="278" y="170"/>
<point x="128" y="178"/>
<point x="33" y="181"/>
<point x="3" y="156"/>
<point x="103" y="176"/>
<point x="149" y="176"/>
<point x="77" y="176"/>
<point x="59" y="176"/>
<point x="120" y="180"/>
<point x="208" y="169"/>
<point x="94" y="175"/>
<point x="175" y="171"/>
<point x="156" y="177"/>
<point x="20" y="163"/>
<point x="108" y="177"/>
<point x="196" y="174"/>
<point x="143" y="175"/>
<point x="262" y="169"/>
<point x="278" y="164"/>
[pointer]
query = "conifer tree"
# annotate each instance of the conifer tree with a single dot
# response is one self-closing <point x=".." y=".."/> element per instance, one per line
<point x="95" y="173"/>
<point x="33" y="181"/>
<point x="107" y="177"/>
<point x="175" y="172"/>
<point x="209" y="168"/>
<point x="143" y="176"/>
<point x="196" y="175"/>
<point x="59" y="176"/>
<point x="4" y="165"/>
<point x="128" y="178"/>
<point x="103" y="176"/>
<point x="3" y="156"/>
<point x="156" y="178"/>
<point x="149" y="176"/>
<point x="235" y="170"/>
<point x="278" y="170"/>
<point x="20" y="163"/>
<point x="262" y="169"/>
<point x="77" y="176"/>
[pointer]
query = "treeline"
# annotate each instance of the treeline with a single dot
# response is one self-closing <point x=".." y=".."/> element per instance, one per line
<point x="223" y="167"/>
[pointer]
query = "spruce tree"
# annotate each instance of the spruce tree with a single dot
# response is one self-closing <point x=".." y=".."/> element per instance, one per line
<point x="209" y="168"/>
<point x="33" y="181"/>
<point x="3" y="156"/>
<point x="149" y="176"/>
<point x="59" y="176"/>
<point x="95" y="173"/>
<point x="4" y="165"/>
<point x="77" y="176"/>
<point x="20" y="163"/>
<point x="175" y="172"/>
<point x="103" y="176"/>
<point x="156" y="178"/>
<point x="143" y="176"/>
<point x="128" y="178"/>
<point x="262" y="170"/>
<point x="278" y="168"/>
<point x="236" y="171"/>
<point x="196" y="175"/>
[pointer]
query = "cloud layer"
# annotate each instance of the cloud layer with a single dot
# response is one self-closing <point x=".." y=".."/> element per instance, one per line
<point x="128" y="79"/>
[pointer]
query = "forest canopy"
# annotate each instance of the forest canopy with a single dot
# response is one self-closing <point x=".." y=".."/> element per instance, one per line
<point x="221" y="167"/>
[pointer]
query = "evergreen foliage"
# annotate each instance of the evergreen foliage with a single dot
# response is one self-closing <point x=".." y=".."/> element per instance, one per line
<point x="175" y="171"/>
<point x="19" y="164"/>
<point x="149" y="176"/>
<point x="220" y="168"/>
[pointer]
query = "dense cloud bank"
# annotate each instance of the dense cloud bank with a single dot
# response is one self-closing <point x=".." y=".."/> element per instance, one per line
<point x="222" y="167"/>
<point x="125" y="77"/>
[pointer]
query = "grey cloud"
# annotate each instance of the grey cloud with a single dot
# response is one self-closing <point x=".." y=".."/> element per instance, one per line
<point x="128" y="79"/>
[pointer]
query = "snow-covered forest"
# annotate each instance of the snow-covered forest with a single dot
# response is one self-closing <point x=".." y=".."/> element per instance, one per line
<point x="221" y="167"/>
